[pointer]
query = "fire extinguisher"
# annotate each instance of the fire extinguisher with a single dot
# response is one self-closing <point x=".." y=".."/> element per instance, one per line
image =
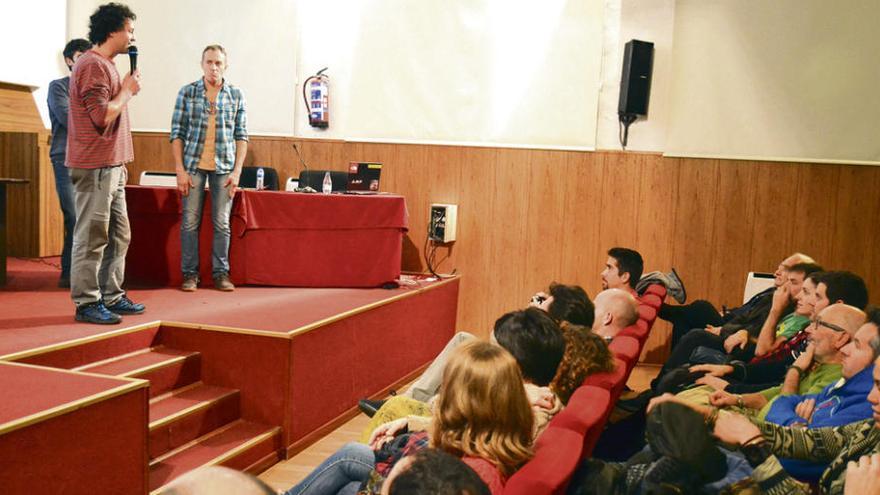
<point x="316" y="93"/>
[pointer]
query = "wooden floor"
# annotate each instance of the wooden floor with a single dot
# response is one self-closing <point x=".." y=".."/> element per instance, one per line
<point x="285" y="474"/>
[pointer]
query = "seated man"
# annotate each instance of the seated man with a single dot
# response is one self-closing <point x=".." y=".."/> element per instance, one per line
<point x="781" y="324"/>
<point x="702" y="314"/>
<point x="840" y="403"/>
<point x="816" y="368"/>
<point x="623" y="269"/>
<point x="615" y="310"/>
<point x="769" y="370"/>
<point x="762" y="444"/>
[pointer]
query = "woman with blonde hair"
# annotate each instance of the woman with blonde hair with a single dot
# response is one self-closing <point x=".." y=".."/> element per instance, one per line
<point x="482" y="415"/>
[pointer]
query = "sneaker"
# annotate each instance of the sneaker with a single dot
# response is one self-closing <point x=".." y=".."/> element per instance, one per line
<point x="125" y="306"/>
<point x="369" y="407"/>
<point x="190" y="283"/>
<point x="222" y="282"/>
<point x="96" y="313"/>
<point x="681" y="295"/>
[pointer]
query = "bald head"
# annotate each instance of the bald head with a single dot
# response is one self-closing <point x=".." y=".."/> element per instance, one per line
<point x="616" y="309"/>
<point x="217" y="480"/>
<point x="835" y="326"/>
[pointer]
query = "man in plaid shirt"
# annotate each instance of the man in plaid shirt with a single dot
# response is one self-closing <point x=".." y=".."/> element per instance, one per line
<point x="209" y="143"/>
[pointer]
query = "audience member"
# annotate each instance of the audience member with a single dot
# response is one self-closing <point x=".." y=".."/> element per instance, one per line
<point x="702" y="314"/>
<point x="217" y="480"/>
<point x="762" y="444"/>
<point x="585" y="353"/>
<point x="566" y="303"/>
<point x="433" y="472"/>
<point x="616" y="309"/>
<point x="623" y="269"/>
<point x="479" y="380"/>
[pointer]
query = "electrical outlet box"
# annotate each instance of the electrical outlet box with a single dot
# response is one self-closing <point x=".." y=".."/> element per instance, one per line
<point x="443" y="221"/>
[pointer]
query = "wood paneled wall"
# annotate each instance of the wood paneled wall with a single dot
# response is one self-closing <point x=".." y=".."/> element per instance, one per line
<point x="529" y="217"/>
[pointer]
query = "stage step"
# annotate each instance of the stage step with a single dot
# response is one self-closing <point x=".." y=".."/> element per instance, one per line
<point x="185" y="414"/>
<point x="239" y="445"/>
<point x="165" y="368"/>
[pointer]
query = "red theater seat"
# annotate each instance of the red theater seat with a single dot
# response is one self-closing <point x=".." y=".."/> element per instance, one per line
<point x="627" y="349"/>
<point x="557" y="454"/>
<point x="657" y="289"/>
<point x="638" y="332"/>
<point x="647" y="313"/>
<point x="586" y="407"/>
<point x="612" y="381"/>
<point x="652" y="300"/>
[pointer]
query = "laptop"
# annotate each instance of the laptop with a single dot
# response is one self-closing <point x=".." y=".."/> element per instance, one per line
<point x="363" y="178"/>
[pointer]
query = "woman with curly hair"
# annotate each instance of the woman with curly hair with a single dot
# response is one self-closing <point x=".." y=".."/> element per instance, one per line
<point x="480" y="379"/>
<point x="585" y="353"/>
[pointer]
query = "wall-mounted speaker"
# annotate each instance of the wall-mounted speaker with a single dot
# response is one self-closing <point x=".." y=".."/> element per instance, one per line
<point x="635" y="82"/>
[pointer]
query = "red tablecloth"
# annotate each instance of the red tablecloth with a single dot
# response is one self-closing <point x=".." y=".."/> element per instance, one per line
<point x="278" y="238"/>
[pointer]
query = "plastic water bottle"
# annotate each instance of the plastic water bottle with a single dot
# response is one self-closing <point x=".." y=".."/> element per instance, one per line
<point x="260" y="175"/>
<point x="327" y="188"/>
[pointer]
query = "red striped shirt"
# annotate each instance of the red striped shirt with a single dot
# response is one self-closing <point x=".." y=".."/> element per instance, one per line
<point x="93" y="83"/>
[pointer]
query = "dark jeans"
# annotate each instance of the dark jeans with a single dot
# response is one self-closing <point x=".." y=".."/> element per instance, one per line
<point x="64" y="188"/>
<point x="684" y="318"/>
<point x="681" y="353"/>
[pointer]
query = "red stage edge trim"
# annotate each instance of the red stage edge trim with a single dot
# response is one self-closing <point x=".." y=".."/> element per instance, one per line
<point x="322" y="431"/>
<point x="15" y="356"/>
<point x="68" y="407"/>
<point x="367" y="307"/>
<point x="221" y="328"/>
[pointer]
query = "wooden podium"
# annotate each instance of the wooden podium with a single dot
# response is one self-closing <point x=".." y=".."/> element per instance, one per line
<point x="35" y="227"/>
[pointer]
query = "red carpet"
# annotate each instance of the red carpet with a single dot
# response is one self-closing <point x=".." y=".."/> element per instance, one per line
<point x="34" y="312"/>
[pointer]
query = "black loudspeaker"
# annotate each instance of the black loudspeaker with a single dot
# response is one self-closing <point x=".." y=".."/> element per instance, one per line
<point x="635" y="82"/>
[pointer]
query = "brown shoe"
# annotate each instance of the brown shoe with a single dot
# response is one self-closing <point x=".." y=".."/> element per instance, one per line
<point x="190" y="283"/>
<point x="222" y="282"/>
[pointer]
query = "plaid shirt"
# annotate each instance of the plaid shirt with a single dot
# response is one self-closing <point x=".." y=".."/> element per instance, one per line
<point x="190" y="122"/>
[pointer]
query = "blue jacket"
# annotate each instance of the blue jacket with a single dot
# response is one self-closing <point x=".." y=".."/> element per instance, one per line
<point x="835" y="406"/>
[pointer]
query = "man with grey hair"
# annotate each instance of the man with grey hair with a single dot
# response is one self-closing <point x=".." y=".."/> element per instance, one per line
<point x="209" y="142"/>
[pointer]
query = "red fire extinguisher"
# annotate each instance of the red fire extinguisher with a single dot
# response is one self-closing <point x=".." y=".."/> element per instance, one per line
<point x="316" y="93"/>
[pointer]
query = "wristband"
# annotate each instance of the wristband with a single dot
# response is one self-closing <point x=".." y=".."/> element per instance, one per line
<point x="756" y="452"/>
<point x="739" y="401"/>
<point x="800" y="372"/>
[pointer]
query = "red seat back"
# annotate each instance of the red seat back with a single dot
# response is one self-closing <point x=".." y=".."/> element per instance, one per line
<point x="585" y="408"/>
<point x="627" y="349"/>
<point x="557" y="455"/>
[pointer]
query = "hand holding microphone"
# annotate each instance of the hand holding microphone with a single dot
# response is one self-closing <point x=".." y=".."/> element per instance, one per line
<point x="132" y="81"/>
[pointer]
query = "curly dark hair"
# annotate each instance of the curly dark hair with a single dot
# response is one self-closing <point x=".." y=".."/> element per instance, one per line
<point x="108" y="19"/>
<point x="585" y="353"/>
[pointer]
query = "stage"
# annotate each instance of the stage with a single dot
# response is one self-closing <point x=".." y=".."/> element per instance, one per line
<point x="241" y="379"/>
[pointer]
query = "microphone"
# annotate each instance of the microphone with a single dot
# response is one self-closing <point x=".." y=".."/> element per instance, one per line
<point x="133" y="57"/>
<point x="307" y="188"/>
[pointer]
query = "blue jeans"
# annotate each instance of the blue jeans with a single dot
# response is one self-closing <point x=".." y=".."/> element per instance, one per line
<point x="342" y="473"/>
<point x="64" y="188"/>
<point x="193" y="204"/>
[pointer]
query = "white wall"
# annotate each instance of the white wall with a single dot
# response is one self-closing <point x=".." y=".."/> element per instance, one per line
<point x="33" y="34"/>
<point x="647" y="21"/>
<point x="260" y="43"/>
<point x="784" y="80"/>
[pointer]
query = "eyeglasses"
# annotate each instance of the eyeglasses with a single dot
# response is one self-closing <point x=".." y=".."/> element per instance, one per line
<point x="832" y="326"/>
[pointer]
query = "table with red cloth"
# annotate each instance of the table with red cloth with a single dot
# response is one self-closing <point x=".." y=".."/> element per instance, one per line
<point x="277" y="238"/>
